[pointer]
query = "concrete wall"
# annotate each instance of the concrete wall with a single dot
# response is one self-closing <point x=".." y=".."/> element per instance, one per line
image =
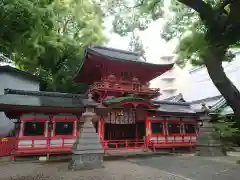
<point x="6" y="125"/>
<point x="13" y="81"/>
<point x="202" y="86"/>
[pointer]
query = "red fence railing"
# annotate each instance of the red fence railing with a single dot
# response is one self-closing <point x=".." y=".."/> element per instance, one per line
<point x="7" y="145"/>
<point x="123" y="144"/>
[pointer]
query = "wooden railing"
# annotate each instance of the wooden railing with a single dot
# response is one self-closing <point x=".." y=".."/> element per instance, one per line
<point x="123" y="144"/>
<point x="123" y="87"/>
<point x="7" y="145"/>
<point x="176" y="141"/>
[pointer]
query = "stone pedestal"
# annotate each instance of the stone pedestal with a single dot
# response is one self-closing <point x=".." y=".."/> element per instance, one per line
<point x="207" y="143"/>
<point x="87" y="151"/>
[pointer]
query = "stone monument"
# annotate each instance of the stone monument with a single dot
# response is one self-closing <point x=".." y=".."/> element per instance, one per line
<point x="207" y="143"/>
<point x="87" y="150"/>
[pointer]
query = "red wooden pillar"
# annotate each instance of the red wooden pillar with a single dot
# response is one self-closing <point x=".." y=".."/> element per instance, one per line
<point x="101" y="129"/>
<point x="49" y="129"/>
<point x="165" y="129"/>
<point x="136" y="133"/>
<point x="17" y="134"/>
<point x="147" y="121"/>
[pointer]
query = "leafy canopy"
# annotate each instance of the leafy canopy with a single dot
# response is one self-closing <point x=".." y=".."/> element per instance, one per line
<point x="182" y="22"/>
<point x="47" y="37"/>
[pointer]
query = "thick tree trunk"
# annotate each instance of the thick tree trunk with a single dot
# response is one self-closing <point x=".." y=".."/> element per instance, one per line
<point x="213" y="61"/>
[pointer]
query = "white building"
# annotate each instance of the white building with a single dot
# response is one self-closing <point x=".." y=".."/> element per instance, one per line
<point x="204" y="91"/>
<point x="172" y="82"/>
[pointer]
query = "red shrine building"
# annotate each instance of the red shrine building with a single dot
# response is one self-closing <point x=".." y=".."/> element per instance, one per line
<point x="47" y="122"/>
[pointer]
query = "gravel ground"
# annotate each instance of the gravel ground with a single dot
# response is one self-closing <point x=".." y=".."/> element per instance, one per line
<point x="157" y="168"/>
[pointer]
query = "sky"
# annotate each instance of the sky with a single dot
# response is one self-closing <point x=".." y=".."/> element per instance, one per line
<point x="154" y="45"/>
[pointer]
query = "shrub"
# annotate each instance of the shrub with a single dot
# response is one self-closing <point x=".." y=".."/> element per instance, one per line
<point x="227" y="131"/>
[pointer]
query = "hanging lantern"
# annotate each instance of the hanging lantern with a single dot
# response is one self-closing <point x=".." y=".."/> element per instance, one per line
<point x="50" y="125"/>
<point x="17" y="124"/>
<point x="200" y="123"/>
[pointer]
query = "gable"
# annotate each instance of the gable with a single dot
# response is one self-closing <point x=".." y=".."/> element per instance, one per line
<point x="14" y="81"/>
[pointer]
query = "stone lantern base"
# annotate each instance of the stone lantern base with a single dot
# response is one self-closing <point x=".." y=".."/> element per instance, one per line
<point x="207" y="144"/>
<point x="87" y="151"/>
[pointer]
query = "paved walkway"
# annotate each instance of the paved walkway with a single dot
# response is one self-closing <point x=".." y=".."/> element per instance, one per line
<point x="156" y="168"/>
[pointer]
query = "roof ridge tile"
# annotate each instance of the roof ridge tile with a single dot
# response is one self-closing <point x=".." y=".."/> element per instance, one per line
<point x="42" y="93"/>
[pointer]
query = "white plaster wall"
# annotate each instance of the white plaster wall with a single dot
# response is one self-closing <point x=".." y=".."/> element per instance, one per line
<point x="6" y="125"/>
<point x="13" y="81"/>
<point x="202" y="85"/>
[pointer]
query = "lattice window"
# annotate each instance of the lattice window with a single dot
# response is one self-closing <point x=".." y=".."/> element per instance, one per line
<point x="34" y="129"/>
<point x="174" y="128"/>
<point x="64" y="128"/>
<point x="190" y="128"/>
<point x="157" y="128"/>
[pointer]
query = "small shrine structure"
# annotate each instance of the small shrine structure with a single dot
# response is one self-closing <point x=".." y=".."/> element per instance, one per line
<point x="128" y="117"/>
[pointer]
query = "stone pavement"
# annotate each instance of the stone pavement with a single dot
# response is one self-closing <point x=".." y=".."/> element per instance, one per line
<point x="195" y="168"/>
<point x="155" y="168"/>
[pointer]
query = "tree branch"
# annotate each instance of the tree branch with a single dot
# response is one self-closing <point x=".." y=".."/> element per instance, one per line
<point x="225" y="3"/>
<point x="66" y="21"/>
<point x="205" y="11"/>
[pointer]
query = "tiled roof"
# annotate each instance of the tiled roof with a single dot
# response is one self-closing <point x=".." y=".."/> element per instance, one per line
<point x="121" y="55"/>
<point x="174" y="107"/>
<point x="41" y="99"/>
<point x="177" y="98"/>
<point x="209" y="102"/>
<point x="163" y="106"/>
<point x="116" y="56"/>
<point x="43" y="93"/>
<point x="130" y="97"/>
<point x="115" y="53"/>
<point x="219" y="104"/>
<point x="222" y="107"/>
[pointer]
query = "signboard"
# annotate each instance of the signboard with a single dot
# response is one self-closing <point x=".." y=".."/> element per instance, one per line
<point x="126" y="116"/>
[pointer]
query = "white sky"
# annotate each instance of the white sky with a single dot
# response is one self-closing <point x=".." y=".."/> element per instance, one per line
<point x="154" y="45"/>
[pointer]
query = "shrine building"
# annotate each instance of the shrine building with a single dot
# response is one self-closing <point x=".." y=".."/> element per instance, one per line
<point x="47" y="122"/>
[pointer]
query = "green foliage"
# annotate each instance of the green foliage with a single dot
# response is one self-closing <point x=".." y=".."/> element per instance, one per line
<point x="131" y="15"/>
<point x="182" y="22"/>
<point x="191" y="48"/>
<point x="47" y="37"/>
<point x="20" y="22"/>
<point x="206" y="29"/>
<point x="179" y="20"/>
<point x="227" y="131"/>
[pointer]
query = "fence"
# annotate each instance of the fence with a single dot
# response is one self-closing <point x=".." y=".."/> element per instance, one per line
<point x="7" y="145"/>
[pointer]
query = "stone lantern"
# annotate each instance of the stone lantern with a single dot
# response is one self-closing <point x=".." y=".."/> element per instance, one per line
<point x="207" y="143"/>
<point x="87" y="151"/>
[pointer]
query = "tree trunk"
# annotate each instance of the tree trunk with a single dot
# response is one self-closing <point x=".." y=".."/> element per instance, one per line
<point x="213" y="61"/>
